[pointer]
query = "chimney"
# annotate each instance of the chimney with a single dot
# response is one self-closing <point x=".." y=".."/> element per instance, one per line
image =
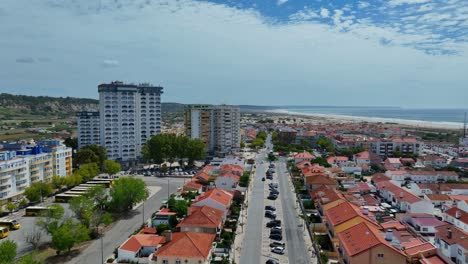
<point x="401" y="195"/>
<point x="365" y="210"/>
<point x="449" y="233"/>
<point x="168" y="235"/>
<point x="458" y="214"/>
<point x="389" y="235"/>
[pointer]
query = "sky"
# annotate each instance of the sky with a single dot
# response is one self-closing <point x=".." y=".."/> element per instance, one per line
<point x="408" y="53"/>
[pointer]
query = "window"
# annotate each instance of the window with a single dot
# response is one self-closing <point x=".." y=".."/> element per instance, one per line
<point x="459" y="252"/>
<point x="178" y="262"/>
<point x="165" y="261"/>
<point x="446" y="246"/>
<point x="380" y="255"/>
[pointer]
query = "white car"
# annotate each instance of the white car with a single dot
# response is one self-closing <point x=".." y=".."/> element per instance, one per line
<point x="278" y="250"/>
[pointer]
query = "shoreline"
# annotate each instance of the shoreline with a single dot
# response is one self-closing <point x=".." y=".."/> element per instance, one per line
<point x="347" y="118"/>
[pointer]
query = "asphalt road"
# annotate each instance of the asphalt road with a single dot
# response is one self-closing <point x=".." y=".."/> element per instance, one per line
<point x="252" y="245"/>
<point x="120" y="232"/>
<point x="293" y="224"/>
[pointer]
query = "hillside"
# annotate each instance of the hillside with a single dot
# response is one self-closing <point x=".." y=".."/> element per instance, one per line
<point x="25" y="107"/>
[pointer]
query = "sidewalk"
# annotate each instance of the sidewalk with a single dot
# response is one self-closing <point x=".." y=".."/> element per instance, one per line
<point x="239" y="239"/>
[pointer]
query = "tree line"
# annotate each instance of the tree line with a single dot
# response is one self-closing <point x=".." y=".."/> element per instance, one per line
<point x="170" y="148"/>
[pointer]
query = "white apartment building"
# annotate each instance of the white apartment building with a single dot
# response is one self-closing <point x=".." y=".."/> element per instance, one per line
<point x="129" y="115"/>
<point x="14" y="174"/>
<point x="61" y="156"/>
<point x="405" y="145"/>
<point x="218" y="126"/>
<point x="88" y="128"/>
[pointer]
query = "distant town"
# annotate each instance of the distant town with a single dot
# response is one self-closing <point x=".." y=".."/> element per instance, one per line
<point x="120" y="180"/>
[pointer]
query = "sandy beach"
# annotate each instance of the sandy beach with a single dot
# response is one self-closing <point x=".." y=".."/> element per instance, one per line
<point x="357" y="119"/>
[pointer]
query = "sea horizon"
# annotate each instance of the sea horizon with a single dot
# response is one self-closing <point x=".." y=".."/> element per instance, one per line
<point x="440" y="118"/>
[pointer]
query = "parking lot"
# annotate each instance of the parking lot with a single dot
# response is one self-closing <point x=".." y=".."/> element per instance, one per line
<point x="266" y="249"/>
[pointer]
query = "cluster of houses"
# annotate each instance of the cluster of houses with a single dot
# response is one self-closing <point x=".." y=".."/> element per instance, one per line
<point x="404" y="215"/>
<point x="197" y="233"/>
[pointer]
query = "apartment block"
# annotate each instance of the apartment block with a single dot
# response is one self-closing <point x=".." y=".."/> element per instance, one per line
<point x="88" y="128"/>
<point x="218" y="126"/>
<point x="129" y="115"/>
<point x="61" y="156"/>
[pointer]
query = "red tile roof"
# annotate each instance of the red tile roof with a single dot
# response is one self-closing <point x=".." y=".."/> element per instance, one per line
<point x="148" y="230"/>
<point x="203" y="216"/>
<point x="420" y="248"/>
<point x="379" y="177"/>
<point x="341" y="213"/>
<point x="458" y="236"/>
<point x="438" y="197"/>
<point x="138" y="241"/>
<point x="165" y="211"/>
<point x="231" y="168"/>
<point x="221" y="196"/>
<point x="463" y="215"/>
<point x="193" y="185"/>
<point x="370" y="200"/>
<point x="432" y="260"/>
<point x="363" y="155"/>
<point x="187" y="245"/>
<point x="304" y="155"/>
<point x="362" y="237"/>
<point x="399" y="193"/>
<point x="320" y="180"/>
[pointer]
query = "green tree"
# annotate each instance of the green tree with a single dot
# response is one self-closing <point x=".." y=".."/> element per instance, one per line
<point x="29" y="259"/>
<point x="242" y="145"/>
<point x="111" y="167"/>
<point x="157" y="149"/>
<point x="262" y="135"/>
<point x="195" y="150"/>
<point x="57" y="182"/>
<point x="257" y="143"/>
<point x="87" y="171"/>
<point x="83" y="208"/>
<point x="91" y="154"/>
<point x="161" y="228"/>
<point x="173" y="221"/>
<point x="322" y="162"/>
<point x="67" y="235"/>
<point x="7" y="251"/>
<point x="326" y="144"/>
<point x="85" y="156"/>
<point x="180" y="208"/>
<point x="127" y="192"/>
<point x="71" y="142"/>
<point x="38" y="190"/>
<point x="11" y="207"/>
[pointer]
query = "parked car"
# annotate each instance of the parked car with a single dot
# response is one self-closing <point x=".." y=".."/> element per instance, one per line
<point x="273" y="223"/>
<point x="274" y="185"/>
<point x="277" y="228"/>
<point x="270" y="177"/>
<point x="272" y="165"/>
<point x="271" y="261"/>
<point x="263" y="178"/>
<point x="270" y="208"/>
<point x="274" y="191"/>
<point x="278" y="250"/>
<point x="272" y="196"/>
<point x="270" y="215"/>
<point x="275" y="231"/>
<point x="270" y="212"/>
<point x="276" y="237"/>
<point x="277" y="244"/>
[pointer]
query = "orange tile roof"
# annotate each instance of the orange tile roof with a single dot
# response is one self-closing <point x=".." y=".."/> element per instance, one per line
<point x="202" y="176"/>
<point x="193" y="185"/>
<point x="438" y="197"/>
<point x="221" y="196"/>
<point x="229" y="174"/>
<point x="203" y="216"/>
<point x="399" y="193"/>
<point x="417" y="249"/>
<point x="304" y="155"/>
<point x="393" y="224"/>
<point x="463" y="215"/>
<point x="165" y="211"/>
<point x="148" y="230"/>
<point x="458" y="236"/>
<point x="138" y="241"/>
<point x="187" y="245"/>
<point x="320" y="180"/>
<point x="362" y="237"/>
<point x="363" y="155"/>
<point x="379" y="177"/>
<point x="341" y="213"/>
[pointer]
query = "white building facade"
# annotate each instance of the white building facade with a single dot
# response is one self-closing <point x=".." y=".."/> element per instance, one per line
<point x="129" y="115"/>
<point x="88" y="128"/>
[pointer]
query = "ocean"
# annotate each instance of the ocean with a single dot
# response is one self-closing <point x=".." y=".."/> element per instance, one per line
<point x="451" y="117"/>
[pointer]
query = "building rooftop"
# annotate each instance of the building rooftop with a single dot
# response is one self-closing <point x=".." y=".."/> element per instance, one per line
<point x="187" y="245"/>
<point x="138" y="241"/>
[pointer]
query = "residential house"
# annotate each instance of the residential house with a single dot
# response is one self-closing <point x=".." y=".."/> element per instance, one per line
<point x="313" y="182"/>
<point x="433" y="161"/>
<point x="452" y="243"/>
<point x="438" y="199"/>
<point x="392" y="164"/>
<point x="193" y="186"/>
<point x="227" y="181"/>
<point x="216" y="198"/>
<point x="339" y="161"/>
<point x="362" y="158"/>
<point x="162" y="217"/>
<point x="139" y="246"/>
<point x="425" y="224"/>
<point x="230" y="168"/>
<point x="286" y="135"/>
<point x="363" y="244"/>
<point x="422" y="176"/>
<point x="405" y="201"/>
<point x="379" y="177"/>
<point x="460" y="163"/>
<point x="303" y="156"/>
<point x="185" y="248"/>
<point x="420" y="189"/>
<point x="202" y="219"/>
<point x="457" y="217"/>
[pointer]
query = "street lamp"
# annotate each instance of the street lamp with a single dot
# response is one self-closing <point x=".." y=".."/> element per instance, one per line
<point x="143" y="213"/>
<point x="168" y="190"/>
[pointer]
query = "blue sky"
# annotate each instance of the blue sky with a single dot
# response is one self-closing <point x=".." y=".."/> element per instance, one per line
<point x="410" y="53"/>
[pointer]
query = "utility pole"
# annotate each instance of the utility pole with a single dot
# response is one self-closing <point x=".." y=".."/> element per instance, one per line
<point x="143" y="213"/>
<point x="168" y="190"/>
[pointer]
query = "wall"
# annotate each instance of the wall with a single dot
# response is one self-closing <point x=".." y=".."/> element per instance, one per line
<point x="371" y="256"/>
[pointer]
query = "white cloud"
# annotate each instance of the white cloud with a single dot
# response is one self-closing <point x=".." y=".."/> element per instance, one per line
<point x="362" y="4"/>
<point x="208" y="53"/>
<point x="280" y="2"/>
<point x="305" y="14"/>
<point x="406" y="2"/>
<point x="324" y="12"/>
<point x="110" y="63"/>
